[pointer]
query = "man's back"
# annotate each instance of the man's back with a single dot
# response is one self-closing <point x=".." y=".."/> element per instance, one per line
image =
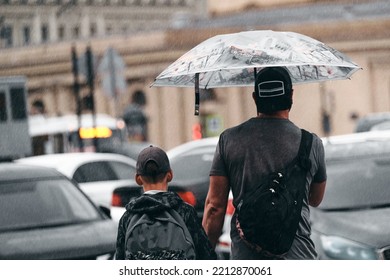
<point x="251" y="151"/>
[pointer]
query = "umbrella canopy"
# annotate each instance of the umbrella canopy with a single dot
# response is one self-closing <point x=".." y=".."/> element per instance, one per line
<point x="231" y="60"/>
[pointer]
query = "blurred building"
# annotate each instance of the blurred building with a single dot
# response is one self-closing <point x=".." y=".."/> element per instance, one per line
<point x="360" y="29"/>
<point x="31" y="22"/>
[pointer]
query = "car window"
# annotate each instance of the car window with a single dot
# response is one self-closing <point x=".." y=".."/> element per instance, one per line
<point x="43" y="203"/>
<point x="122" y="170"/>
<point x="357" y="183"/>
<point x="94" y="172"/>
<point x="192" y="166"/>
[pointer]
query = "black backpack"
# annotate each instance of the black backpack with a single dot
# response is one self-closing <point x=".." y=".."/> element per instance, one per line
<point x="268" y="217"/>
<point x="158" y="236"/>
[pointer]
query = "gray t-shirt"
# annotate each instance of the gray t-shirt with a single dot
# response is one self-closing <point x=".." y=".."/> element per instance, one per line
<point x="255" y="148"/>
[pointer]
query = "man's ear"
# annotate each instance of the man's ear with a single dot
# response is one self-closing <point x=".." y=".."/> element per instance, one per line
<point x="169" y="176"/>
<point x="254" y="96"/>
<point x="138" y="179"/>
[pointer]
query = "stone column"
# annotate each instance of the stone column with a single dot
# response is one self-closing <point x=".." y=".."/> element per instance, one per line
<point x="53" y="27"/>
<point x="85" y="26"/>
<point x="100" y="25"/>
<point x="36" y="33"/>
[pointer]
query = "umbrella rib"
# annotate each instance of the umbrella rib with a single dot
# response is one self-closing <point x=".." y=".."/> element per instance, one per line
<point x="208" y="81"/>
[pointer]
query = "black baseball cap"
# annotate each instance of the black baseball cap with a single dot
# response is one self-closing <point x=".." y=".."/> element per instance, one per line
<point x="152" y="154"/>
<point x="273" y="89"/>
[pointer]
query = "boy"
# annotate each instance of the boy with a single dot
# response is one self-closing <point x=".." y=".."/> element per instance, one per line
<point x="153" y="174"/>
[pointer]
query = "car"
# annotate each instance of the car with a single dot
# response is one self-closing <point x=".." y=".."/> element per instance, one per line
<point x="352" y="220"/>
<point x="97" y="174"/>
<point x="191" y="163"/>
<point x="45" y="215"/>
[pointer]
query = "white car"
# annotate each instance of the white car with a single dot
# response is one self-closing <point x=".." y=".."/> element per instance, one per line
<point x="97" y="174"/>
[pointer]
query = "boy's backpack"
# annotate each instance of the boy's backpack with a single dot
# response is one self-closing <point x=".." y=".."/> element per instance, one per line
<point x="157" y="236"/>
<point x="268" y="217"/>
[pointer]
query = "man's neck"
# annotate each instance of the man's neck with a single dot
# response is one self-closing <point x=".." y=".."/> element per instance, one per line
<point x="276" y="115"/>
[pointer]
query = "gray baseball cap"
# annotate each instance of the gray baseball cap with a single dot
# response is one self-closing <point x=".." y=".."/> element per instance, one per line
<point x="152" y="154"/>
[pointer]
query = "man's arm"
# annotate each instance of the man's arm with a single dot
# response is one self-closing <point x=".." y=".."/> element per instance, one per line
<point x="215" y="208"/>
<point x="316" y="193"/>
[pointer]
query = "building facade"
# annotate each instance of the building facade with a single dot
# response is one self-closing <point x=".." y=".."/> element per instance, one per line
<point x="32" y="22"/>
<point x="359" y="32"/>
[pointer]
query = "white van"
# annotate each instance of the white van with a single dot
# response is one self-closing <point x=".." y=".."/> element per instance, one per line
<point x="68" y="133"/>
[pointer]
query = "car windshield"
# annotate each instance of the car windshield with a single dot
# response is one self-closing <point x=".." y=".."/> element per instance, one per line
<point x="43" y="203"/>
<point x="357" y="183"/>
<point x="192" y="166"/>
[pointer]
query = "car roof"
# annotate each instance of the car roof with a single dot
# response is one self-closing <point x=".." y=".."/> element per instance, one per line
<point x="210" y="142"/>
<point x="364" y="144"/>
<point x="67" y="162"/>
<point x="357" y="137"/>
<point x="15" y="172"/>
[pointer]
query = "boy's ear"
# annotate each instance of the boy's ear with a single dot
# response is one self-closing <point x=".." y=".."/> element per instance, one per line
<point x="138" y="179"/>
<point x="169" y="176"/>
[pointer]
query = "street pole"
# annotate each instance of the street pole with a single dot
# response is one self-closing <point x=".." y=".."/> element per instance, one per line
<point x="113" y="80"/>
<point x="76" y="91"/>
<point x="91" y="84"/>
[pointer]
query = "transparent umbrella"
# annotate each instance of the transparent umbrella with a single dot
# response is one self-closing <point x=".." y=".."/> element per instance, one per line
<point x="232" y="60"/>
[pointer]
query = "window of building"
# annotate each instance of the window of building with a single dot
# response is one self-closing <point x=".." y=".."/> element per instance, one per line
<point x="45" y="33"/>
<point x="6" y="35"/>
<point x="109" y="30"/>
<point x="26" y="35"/>
<point x="76" y="32"/>
<point x="93" y="29"/>
<point x="18" y="104"/>
<point x="61" y="32"/>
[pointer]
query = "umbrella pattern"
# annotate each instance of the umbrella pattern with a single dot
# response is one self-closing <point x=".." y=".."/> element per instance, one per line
<point x="231" y="60"/>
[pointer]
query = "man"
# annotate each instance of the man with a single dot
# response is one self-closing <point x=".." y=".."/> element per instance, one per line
<point x="255" y="148"/>
<point x="154" y="173"/>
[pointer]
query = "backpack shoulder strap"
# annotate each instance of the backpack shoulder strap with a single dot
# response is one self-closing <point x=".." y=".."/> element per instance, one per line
<point x="303" y="152"/>
<point x="306" y="143"/>
<point x="182" y="224"/>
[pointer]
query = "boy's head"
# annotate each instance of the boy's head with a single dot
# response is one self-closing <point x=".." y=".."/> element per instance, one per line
<point x="153" y="166"/>
<point x="273" y="90"/>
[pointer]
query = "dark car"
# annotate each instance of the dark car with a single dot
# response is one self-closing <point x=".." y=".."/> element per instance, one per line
<point x="352" y="221"/>
<point x="44" y="215"/>
<point x="191" y="164"/>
